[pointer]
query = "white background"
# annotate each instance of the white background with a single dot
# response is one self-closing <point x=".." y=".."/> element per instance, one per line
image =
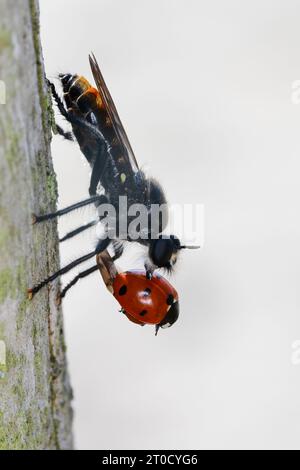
<point x="204" y="89"/>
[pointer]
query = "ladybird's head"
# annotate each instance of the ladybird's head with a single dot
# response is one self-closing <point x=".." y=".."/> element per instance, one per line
<point x="164" y="250"/>
<point x="170" y="318"/>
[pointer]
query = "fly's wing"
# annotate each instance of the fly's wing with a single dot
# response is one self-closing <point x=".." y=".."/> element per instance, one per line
<point x="110" y="107"/>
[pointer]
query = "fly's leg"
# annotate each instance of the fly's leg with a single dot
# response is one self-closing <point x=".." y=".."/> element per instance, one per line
<point x="150" y="268"/>
<point x="97" y="199"/>
<point x="101" y="199"/>
<point x="78" y="230"/>
<point x="81" y="275"/>
<point x="98" y="169"/>
<point x="73" y="119"/>
<point x="118" y="249"/>
<point x="101" y="246"/>
<point x="57" y="100"/>
<point x="103" y="155"/>
<point x="65" y="134"/>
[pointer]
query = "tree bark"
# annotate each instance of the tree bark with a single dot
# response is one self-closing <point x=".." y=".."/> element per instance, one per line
<point x="35" y="394"/>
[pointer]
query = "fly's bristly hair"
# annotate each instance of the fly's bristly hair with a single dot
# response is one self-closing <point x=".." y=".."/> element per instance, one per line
<point x="115" y="171"/>
<point x="102" y="139"/>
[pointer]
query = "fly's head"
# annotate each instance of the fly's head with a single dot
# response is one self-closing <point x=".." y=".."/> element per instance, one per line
<point x="163" y="252"/>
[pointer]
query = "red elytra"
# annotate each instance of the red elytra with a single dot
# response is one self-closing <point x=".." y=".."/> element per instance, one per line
<point x="142" y="300"/>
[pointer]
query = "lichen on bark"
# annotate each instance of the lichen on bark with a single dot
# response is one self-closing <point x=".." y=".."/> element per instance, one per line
<point x="35" y="393"/>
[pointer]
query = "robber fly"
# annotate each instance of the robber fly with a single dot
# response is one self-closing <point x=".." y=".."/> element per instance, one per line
<point x="103" y="141"/>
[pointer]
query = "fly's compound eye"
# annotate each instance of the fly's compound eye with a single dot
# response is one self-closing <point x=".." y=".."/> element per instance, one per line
<point x="163" y="251"/>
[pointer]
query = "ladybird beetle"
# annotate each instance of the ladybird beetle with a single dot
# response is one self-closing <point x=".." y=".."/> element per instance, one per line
<point x="143" y="301"/>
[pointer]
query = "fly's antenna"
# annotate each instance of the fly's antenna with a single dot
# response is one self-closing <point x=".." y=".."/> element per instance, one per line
<point x="189" y="247"/>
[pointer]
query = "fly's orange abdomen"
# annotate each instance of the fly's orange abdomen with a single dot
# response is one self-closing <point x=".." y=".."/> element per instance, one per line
<point x="85" y="101"/>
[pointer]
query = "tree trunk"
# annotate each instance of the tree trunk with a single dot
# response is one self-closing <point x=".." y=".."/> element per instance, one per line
<point x="35" y="394"/>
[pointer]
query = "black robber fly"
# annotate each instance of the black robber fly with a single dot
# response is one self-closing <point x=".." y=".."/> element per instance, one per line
<point x="115" y="172"/>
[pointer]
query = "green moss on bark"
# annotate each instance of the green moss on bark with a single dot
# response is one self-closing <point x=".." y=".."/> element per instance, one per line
<point x="7" y="284"/>
<point x="34" y="405"/>
<point x="5" y="40"/>
<point x="45" y="98"/>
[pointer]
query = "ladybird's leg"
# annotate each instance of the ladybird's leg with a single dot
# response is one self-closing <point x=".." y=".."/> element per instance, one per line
<point x="101" y="246"/>
<point x="97" y="199"/>
<point x="81" y="275"/>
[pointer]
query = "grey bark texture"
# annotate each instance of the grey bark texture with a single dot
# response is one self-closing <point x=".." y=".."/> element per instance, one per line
<point x="35" y="393"/>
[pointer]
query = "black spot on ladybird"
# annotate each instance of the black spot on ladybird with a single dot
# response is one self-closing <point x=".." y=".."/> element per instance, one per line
<point x="123" y="290"/>
<point x="170" y="299"/>
<point x="147" y="291"/>
<point x="143" y="313"/>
